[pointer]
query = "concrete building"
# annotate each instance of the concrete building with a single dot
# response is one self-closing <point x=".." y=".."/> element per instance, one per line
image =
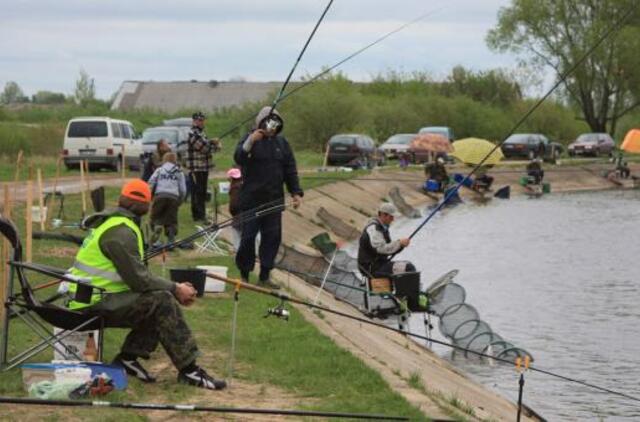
<point x="171" y="97"/>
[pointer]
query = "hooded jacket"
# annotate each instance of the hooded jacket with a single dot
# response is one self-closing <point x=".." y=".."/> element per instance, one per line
<point x="168" y="181"/>
<point x="266" y="165"/>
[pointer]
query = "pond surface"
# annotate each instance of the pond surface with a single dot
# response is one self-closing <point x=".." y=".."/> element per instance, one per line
<point x="558" y="276"/>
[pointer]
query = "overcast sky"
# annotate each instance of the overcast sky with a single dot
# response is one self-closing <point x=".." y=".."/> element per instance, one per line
<point x="44" y="44"/>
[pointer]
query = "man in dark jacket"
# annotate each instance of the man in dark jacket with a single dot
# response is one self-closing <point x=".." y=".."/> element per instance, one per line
<point x="199" y="161"/>
<point x="267" y="163"/>
<point x="111" y="257"/>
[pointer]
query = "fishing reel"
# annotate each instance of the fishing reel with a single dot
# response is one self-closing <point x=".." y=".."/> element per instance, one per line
<point x="278" y="311"/>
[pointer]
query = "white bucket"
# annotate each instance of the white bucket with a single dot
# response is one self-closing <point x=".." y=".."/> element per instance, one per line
<point x="212" y="285"/>
<point x="36" y="217"/>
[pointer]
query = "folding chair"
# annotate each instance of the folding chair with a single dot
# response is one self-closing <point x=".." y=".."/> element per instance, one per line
<point x="36" y="314"/>
<point x="208" y="243"/>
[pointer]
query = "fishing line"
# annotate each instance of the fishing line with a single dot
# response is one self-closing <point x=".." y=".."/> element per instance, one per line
<point x="295" y="65"/>
<point x="329" y="69"/>
<point x="285" y="297"/>
<point x="613" y="28"/>
<point x="196" y="408"/>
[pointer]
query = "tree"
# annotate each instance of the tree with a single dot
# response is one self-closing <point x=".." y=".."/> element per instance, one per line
<point x="48" y="97"/>
<point x="85" y="88"/>
<point x="493" y="86"/>
<point x="558" y="33"/>
<point x="12" y="94"/>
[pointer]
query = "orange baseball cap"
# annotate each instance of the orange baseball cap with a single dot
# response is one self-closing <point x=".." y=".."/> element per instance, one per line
<point x="138" y="190"/>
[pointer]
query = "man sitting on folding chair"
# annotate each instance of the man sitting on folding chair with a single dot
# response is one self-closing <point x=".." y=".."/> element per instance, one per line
<point x="375" y="250"/>
<point x="112" y="258"/>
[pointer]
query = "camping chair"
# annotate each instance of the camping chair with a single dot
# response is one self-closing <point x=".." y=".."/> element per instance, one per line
<point x="36" y="314"/>
<point x="208" y="243"/>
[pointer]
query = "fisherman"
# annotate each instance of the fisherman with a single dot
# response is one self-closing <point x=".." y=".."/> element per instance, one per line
<point x="267" y="162"/>
<point x="152" y="161"/>
<point x="199" y="161"/>
<point x="436" y="171"/>
<point x="376" y="248"/>
<point x="111" y="257"/>
<point x="534" y="170"/>
<point x="169" y="190"/>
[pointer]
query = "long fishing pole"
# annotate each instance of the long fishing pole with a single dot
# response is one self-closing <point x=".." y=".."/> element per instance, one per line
<point x="295" y="65"/>
<point x="612" y="29"/>
<point x="331" y="68"/>
<point x="284" y="297"/>
<point x="197" y="408"/>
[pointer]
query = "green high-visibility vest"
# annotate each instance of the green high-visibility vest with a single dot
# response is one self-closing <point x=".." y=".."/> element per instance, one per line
<point x="93" y="265"/>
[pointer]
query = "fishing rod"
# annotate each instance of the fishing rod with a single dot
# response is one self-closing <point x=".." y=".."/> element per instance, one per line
<point x="615" y="27"/>
<point x="331" y="68"/>
<point x="270" y="207"/>
<point x="196" y="408"/>
<point x="295" y="65"/>
<point x="284" y="297"/>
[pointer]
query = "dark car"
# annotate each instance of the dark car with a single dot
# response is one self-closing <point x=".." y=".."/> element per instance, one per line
<point x="354" y="150"/>
<point x="531" y="145"/>
<point x="592" y="144"/>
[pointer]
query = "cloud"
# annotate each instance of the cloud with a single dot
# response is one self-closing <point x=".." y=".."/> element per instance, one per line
<point x="44" y="44"/>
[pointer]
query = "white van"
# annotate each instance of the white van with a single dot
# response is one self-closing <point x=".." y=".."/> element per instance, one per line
<point x="101" y="141"/>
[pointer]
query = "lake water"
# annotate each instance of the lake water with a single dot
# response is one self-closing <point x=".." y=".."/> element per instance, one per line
<point x="557" y="276"/>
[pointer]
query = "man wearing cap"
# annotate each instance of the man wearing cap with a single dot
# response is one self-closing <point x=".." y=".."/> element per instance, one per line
<point x="111" y="258"/>
<point x="267" y="163"/>
<point x="376" y="246"/>
<point x="199" y="161"/>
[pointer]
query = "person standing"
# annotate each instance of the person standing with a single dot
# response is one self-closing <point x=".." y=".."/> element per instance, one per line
<point x="169" y="189"/>
<point x="199" y="161"/>
<point x="111" y="258"/>
<point x="267" y="162"/>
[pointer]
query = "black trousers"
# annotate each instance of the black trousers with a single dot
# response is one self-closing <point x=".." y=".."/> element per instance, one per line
<point x="199" y="180"/>
<point x="270" y="228"/>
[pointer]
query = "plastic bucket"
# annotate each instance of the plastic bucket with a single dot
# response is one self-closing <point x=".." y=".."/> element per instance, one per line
<point x="524" y="180"/>
<point x="195" y="276"/>
<point x="432" y="186"/>
<point x="546" y="188"/>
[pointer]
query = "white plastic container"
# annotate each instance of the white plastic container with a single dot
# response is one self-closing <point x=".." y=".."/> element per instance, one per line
<point x="223" y="187"/>
<point x="211" y="285"/>
<point x="75" y="342"/>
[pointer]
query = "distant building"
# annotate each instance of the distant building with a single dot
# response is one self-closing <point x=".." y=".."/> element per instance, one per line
<point x="171" y="97"/>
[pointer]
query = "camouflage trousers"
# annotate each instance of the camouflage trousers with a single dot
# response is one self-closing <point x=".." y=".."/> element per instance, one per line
<point x="154" y="318"/>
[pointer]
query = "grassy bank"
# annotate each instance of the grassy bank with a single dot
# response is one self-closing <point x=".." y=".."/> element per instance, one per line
<point x="277" y="363"/>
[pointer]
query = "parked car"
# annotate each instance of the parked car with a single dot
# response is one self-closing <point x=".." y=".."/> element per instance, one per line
<point x="396" y="144"/>
<point x="592" y="144"/>
<point x="445" y="131"/>
<point x="101" y="141"/>
<point x="354" y="150"/>
<point x="531" y="145"/>
<point x="176" y="136"/>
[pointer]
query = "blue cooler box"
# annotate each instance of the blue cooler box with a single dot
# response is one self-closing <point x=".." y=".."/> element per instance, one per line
<point x="431" y="186"/>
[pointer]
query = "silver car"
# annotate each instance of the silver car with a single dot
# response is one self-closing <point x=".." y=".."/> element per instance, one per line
<point x="397" y="144"/>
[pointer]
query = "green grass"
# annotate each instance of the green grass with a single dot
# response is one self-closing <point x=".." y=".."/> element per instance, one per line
<point x="292" y="356"/>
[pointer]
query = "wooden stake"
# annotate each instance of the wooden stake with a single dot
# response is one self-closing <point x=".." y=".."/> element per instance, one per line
<point x="326" y="156"/>
<point x="4" y="256"/>
<point x="17" y="175"/>
<point x="86" y="175"/>
<point x="55" y="188"/>
<point x="82" y="192"/>
<point x="40" y="200"/>
<point x="29" y="222"/>
<point x="124" y="164"/>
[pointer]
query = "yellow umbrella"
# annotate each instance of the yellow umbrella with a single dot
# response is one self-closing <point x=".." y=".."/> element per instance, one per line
<point x="631" y="142"/>
<point x="473" y="150"/>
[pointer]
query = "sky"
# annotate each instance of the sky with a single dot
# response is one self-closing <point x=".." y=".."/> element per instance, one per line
<point x="44" y="44"/>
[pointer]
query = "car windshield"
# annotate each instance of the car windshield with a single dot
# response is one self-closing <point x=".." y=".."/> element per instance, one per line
<point x="436" y="130"/>
<point x="153" y="136"/>
<point x="517" y="139"/>
<point x="86" y="129"/>
<point x="403" y="139"/>
<point x="342" y="140"/>
<point x="587" y="138"/>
